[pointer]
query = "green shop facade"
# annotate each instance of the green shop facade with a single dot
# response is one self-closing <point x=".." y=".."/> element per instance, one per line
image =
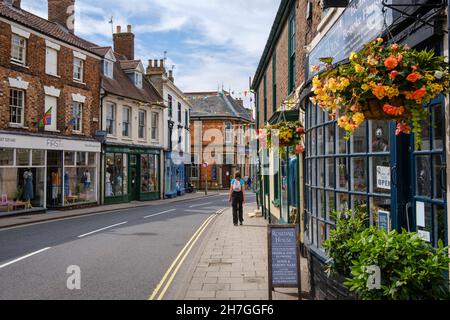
<point x="131" y="173"/>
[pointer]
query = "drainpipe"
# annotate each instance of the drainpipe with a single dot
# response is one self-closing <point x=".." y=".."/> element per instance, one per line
<point x="102" y="153"/>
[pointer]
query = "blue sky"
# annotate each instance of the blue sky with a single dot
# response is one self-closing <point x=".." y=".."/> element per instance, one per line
<point x="209" y="42"/>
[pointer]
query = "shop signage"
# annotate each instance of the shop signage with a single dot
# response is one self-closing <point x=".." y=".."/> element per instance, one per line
<point x="43" y="143"/>
<point x="384" y="178"/>
<point x="284" y="258"/>
<point x="362" y="21"/>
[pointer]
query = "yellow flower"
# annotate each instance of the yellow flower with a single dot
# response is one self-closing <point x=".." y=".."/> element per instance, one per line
<point x="358" y="118"/>
<point x="316" y="82"/>
<point x="391" y="92"/>
<point x="380" y="40"/>
<point x="365" y="87"/>
<point x="332" y="84"/>
<point x="372" y="61"/>
<point x="429" y="77"/>
<point x="353" y="56"/>
<point x="359" y="68"/>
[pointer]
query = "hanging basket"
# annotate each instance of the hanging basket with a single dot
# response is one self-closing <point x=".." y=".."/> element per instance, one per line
<point x="373" y="110"/>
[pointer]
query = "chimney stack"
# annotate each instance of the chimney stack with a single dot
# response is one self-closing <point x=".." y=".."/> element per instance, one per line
<point x="171" y="79"/>
<point x="61" y="12"/>
<point x="124" y="42"/>
<point x="155" y="69"/>
<point x="16" y="3"/>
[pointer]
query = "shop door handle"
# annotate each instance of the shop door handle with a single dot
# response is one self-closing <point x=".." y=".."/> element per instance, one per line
<point x="407" y="207"/>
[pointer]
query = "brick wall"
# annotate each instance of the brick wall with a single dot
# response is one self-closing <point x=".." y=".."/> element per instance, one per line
<point x="35" y="74"/>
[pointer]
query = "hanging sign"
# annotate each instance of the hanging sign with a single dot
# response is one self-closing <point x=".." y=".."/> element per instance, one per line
<point x="384" y="178"/>
<point x="384" y="220"/>
<point x="284" y="258"/>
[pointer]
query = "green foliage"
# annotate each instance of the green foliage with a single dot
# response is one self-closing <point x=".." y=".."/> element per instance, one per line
<point x="411" y="269"/>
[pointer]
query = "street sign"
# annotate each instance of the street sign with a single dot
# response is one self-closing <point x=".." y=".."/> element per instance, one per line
<point x="284" y="258"/>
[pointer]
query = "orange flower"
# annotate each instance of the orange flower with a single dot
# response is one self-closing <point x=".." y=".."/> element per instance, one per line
<point x="393" y="74"/>
<point x="391" y="62"/>
<point x="419" y="94"/>
<point x="394" y="47"/>
<point x="403" y="127"/>
<point x="393" y="110"/>
<point x="413" y="77"/>
<point x="378" y="91"/>
<point x="355" y="108"/>
<point x="400" y="57"/>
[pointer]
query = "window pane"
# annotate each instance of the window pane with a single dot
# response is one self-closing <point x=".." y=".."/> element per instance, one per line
<point x="38" y="157"/>
<point x="6" y="157"/>
<point x="378" y="204"/>
<point x="329" y="137"/>
<point x="359" y="140"/>
<point x="439" y="177"/>
<point x="320" y="173"/>
<point x="321" y="235"/>
<point x="423" y="176"/>
<point x="330" y="173"/>
<point x="380" y="136"/>
<point x="441" y="232"/>
<point x="438" y="126"/>
<point x="314" y="202"/>
<point x="342" y="173"/>
<point x="359" y="177"/>
<point x="342" y="204"/>
<point x="341" y="142"/>
<point x="381" y="172"/>
<point x="81" y="158"/>
<point x="425" y="135"/>
<point x="330" y="204"/>
<point x="313" y="142"/>
<point x="22" y="157"/>
<point x="359" y="203"/>
<point x="69" y="158"/>
<point x="320" y="143"/>
<point x="321" y="204"/>
<point x="428" y="221"/>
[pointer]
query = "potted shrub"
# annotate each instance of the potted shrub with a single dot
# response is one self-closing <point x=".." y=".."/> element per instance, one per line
<point x="382" y="82"/>
<point x="410" y="268"/>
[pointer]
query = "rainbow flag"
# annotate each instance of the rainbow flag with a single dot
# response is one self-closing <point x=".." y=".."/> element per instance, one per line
<point x="46" y="119"/>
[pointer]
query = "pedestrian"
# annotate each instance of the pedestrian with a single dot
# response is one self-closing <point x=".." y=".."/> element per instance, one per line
<point x="237" y="199"/>
<point x="249" y="183"/>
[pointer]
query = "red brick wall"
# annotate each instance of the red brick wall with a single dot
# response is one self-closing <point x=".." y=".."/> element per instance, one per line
<point x="37" y="78"/>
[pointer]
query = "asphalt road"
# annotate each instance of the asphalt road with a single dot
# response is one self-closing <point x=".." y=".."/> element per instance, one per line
<point x="121" y="255"/>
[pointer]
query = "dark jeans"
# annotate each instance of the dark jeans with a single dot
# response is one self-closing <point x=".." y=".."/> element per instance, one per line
<point x="238" y="210"/>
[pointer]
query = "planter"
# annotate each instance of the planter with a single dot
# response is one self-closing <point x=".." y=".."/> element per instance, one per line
<point x="373" y="110"/>
<point x="324" y="287"/>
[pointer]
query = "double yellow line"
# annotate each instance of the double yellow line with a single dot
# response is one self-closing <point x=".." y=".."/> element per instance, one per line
<point x="160" y="291"/>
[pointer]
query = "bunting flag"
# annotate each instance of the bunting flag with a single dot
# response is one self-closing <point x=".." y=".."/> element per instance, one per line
<point x="46" y="119"/>
<point x="73" y="122"/>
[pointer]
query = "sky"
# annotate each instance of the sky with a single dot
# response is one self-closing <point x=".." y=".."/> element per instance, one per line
<point x="210" y="42"/>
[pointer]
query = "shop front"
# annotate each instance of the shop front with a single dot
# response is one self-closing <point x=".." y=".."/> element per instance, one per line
<point x="39" y="172"/>
<point x="175" y="175"/>
<point x="131" y="174"/>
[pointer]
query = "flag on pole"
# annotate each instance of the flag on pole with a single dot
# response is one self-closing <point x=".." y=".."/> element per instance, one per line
<point x="46" y="119"/>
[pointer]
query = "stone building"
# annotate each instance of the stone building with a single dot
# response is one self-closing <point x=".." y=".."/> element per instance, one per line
<point x="49" y="110"/>
<point x="220" y="138"/>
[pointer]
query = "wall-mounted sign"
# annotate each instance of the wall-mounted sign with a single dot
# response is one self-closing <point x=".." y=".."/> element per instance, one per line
<point x="284" y="258"/>
<point x="384" y="178"/>
<point x="425" y="235"/>
<point x="420" y="214"/>
<point x="361" y="22"/>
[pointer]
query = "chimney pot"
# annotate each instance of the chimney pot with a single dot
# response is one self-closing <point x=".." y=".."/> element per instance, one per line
<point x="118" y="29"/>
<point x="129" y="28"/>
<point x="162" y="63"/>
<point x="155" y="63"/>
<point x="16" y="3"/>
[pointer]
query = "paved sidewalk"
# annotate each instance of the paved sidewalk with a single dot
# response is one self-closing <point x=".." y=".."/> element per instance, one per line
<point x="23" y="219"/>
<point x="232" y="265"/>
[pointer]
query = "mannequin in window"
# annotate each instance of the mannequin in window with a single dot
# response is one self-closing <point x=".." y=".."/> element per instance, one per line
<point x="28" y="192"/>
<point x="67" y="185"/>
<point x="109" y="191"/>
<point x="380" y="144"/>
<point x="56" y="183"/>
<point x="86" y="180"/>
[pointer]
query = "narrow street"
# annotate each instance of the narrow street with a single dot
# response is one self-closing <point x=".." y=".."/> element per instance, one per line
<point x="121" y="255"/>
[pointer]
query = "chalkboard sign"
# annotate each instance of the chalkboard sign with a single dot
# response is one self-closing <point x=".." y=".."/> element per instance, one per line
<point x="284" y="264"/>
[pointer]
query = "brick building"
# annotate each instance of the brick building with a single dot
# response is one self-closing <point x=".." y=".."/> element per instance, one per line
<point x="220" y="137"/>
<point x="277" y="85"/>
<point x="49" y="110"/>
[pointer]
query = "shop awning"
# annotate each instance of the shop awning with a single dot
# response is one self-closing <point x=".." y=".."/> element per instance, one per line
<point x="282" y="116"/>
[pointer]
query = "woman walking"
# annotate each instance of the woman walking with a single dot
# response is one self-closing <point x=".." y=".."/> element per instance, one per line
<point x="237" y="199"/>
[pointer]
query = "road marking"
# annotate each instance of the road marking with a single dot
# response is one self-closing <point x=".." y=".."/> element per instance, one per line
<point x="158" y="214"/>
<point x="24" y="257"/>
<point x="102" y="229"/>
<point x="183" y="254"/>
<point x="199" y="205"/>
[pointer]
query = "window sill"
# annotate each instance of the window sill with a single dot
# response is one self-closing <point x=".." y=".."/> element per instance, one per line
<point x="17" y="126"/>
<point x="20" y="64"/>
<point x="142" y="141"/>
<point x="50" y="130"/>
<point x="79" y="82"/>
<point x="127" y="139"/>
<point x="78" y="133"/>
<point x="53" y="75"/>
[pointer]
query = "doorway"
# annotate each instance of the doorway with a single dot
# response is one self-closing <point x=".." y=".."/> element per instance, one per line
<point x="134" y="178"/>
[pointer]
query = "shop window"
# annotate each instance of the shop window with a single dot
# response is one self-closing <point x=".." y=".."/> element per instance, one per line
<point x="79" y="180"/>
<point x="379" y="136"/>
<point x="115" y="176"/>
<point x="6" y="157"/>
<point x="38" y="157"/>
<point x="359" y="177"/>
<point x="69" y="158"/>
<point x="149" y="173"/>
<point x="22" y="157"/>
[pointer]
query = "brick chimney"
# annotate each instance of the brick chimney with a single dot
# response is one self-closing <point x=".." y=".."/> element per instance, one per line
<point x="124" y="42"/>
<point x="156" y="68"/>
<point x="62" y="12"/>
<point x="240" y="102"/>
